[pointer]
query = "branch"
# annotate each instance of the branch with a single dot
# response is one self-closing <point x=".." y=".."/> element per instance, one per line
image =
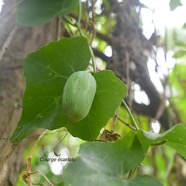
<point x="89" y="27"/>
<point x="148" y="110"/>
<point x="101" y="55"/>
<point x="104" y="37"/>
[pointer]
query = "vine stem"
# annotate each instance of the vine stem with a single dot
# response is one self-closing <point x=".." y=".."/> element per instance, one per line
<point x="36" y="142"/>
<point x="27" y="175"/>
<point x="77" y="24"/>
<point x="79" y="12"/>
<point x="131" y="173"/>
<point x="130" y="114"/>
<point x="93" y="60"/>
<point x="79" y="29"/>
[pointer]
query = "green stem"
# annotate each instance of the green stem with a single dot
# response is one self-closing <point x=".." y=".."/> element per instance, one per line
<point x="130" y="114"/>
<point x="131" y="173"/>
<point x="79" y="18"/>
<point x="79" y="12"/>
<point x="79" y="29"/>
<point x="77" y="24"/>
<point x="69" y="22"/>
<point x="93" y="60"/>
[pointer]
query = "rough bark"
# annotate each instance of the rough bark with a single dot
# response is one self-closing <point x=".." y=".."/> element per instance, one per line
<point x="12" y="85"/>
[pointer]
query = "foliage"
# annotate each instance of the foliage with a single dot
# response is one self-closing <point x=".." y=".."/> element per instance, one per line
<point x="43" y="10"/>
<point x="46" y="72"/>
<point x="174" y="4"/>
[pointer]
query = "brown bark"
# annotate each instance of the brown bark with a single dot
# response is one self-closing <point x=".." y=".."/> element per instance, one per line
<point x="12" y="85"/>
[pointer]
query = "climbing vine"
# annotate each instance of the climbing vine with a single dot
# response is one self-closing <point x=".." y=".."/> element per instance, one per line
<point x="112" y="161"/>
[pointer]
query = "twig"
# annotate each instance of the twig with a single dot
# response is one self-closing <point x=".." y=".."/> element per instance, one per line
<point x="130" y="114"/>
<point x="37" y="141"/>
<point x="7" y="42"/>
<point x="116" y="118"/>
<point x="93" y="59"/>
<point x="58" y="28"/>
<point x="125" y="123"/>
<point x="36" y="136"/>
<point x="127" y="68"/>
<point x="4" y="170"/>
<point x="27" y="175"/>
<point x="56" y="148"/>
<point x="93" y="23"/>
<point x="101" y="55"/>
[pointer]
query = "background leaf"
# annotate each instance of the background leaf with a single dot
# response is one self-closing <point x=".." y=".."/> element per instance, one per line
<point x="174" y="137"/>
<point x="102" y="163"/>
<point x="174" y="4"/>
<point x="35" y="12"/>
<point x="179" y="54"/>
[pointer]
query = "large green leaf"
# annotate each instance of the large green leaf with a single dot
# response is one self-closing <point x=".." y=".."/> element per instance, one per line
<point x="35" y="12"/>
<point x="174" y="137"/>
<point x="144" y="181"/>
<point x="109" y="94"/>
<point x="102" y="163"/>
<point x="46" y="72"/>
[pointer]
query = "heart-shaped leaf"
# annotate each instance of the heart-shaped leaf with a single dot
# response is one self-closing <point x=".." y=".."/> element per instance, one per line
<point x="46" y="72"/>
<point x="109" y="94"/>
<point x="144" y="181"/>
<point x="102" y="163"/>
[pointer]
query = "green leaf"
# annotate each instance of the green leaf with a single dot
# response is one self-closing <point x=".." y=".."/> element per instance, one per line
<point x="35" y="12"/>
<point x="180" y="44"/>
<point x="102" y="163"/>
<point x="46" y="72"/>
<point x="174" y="137"/>
<point x="173" y="4"/>
<point x="184" y="26"/>
<point x="109" y="94"/>
<point x="179" y="54"/>
<point x="144" y="181"/>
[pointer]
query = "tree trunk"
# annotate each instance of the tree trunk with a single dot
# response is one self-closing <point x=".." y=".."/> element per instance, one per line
<point x="22" y="41"/>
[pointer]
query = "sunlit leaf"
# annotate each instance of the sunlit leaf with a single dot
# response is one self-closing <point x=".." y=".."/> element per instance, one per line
<point x="180" y="43"/>
<point x="184" y="25"/>
<point x="179" y="54"/>
<point x="174" y="137"/>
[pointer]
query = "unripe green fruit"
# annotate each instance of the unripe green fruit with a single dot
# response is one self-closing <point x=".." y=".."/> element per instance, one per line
<point x="78" y="95"/>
